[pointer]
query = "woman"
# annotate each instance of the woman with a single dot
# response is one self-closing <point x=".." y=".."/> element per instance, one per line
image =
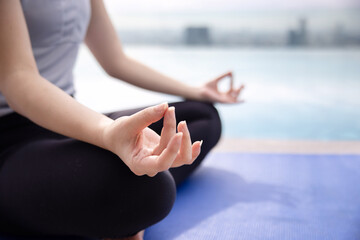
<point x="67" y="170"/>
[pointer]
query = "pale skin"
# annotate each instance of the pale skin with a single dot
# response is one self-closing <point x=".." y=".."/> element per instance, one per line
<point x="141" y="149"/>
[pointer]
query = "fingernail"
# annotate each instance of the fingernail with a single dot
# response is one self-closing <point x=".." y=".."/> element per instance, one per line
<point x="160" y="107"/>
<point x="182" y="125"/>
<point x="171" y="110"/>
<point x="201" y="142"/>
<point x="185" y="125"/>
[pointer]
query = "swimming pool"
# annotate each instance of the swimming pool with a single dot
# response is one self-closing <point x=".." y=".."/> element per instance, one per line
<point x="291" y="94"/>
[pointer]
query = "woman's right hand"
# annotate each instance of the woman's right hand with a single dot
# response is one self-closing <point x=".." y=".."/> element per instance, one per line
<point x="143" y="150"/>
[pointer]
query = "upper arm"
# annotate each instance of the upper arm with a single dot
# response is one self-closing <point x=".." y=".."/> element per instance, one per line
<point x="102" y="39"/>
<point x="16" y="55"/>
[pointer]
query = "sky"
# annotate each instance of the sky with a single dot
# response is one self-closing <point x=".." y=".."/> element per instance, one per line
<point x="274" y="15"/>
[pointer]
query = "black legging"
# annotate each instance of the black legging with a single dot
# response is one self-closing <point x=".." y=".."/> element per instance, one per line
<point x="54" y="185"/>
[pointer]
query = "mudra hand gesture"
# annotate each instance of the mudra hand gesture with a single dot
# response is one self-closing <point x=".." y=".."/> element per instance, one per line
<point x="143" y="150"/>
<point x="210" y="91"/>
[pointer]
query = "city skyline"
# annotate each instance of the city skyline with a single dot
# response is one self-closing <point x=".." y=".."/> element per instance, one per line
<point x="237" y="22"/>
<point x="255" y="20"/>
<point x="296" y="36"/>
<point x="143" y="6"/>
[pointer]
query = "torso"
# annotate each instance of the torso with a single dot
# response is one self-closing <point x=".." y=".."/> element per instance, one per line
<point x="56" y="30"/>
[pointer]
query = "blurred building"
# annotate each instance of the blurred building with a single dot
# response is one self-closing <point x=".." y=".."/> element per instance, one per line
<point x="197" y="36"/>
<point x="339" y="35"/>
<point x="343" y="38"/>
<point x="298" y="37"/>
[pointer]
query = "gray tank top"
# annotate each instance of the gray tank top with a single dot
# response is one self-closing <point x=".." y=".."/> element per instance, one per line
<point x="56" y="29"/>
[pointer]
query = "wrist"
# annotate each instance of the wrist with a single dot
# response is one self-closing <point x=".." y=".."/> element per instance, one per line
<point x="105" y="126"/>
<point x="193" y="93"/>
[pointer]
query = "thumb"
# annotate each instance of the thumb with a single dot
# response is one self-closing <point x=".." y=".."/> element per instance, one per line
<point x="145" y="117"/>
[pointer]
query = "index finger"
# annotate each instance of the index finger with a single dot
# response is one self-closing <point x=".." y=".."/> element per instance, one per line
<point x="227" y="74"/>
<point x="145" y="117"/>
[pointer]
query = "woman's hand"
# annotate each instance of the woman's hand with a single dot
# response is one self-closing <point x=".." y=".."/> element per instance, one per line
<point x="210" y="91"/>
<point x="143" y="150"/>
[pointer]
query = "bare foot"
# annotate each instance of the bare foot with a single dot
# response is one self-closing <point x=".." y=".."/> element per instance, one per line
<point x="138" y="236"/>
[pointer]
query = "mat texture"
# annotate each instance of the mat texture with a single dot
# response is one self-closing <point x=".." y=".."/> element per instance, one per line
<point x="267" y="196"/>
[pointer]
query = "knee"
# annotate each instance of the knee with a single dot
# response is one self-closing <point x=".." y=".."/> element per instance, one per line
<point x="148" y="201"/>
<point x="144" y="202"/>
<point x="105" y="194"/>
<point x="159" y="198"/>
<point x="213" y="121"/>
<point x="141" y="200"/>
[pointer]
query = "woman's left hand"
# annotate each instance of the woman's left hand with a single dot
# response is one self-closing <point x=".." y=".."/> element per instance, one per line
<point x="210" y="91"/>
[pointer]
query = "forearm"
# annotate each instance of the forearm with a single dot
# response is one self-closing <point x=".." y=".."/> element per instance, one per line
<point x="142" y="76"/>
<point x="102" y="40"/>
<point x="48" y="106"/>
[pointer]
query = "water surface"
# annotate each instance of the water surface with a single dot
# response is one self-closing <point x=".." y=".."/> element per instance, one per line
<point x="301" y="94"/>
